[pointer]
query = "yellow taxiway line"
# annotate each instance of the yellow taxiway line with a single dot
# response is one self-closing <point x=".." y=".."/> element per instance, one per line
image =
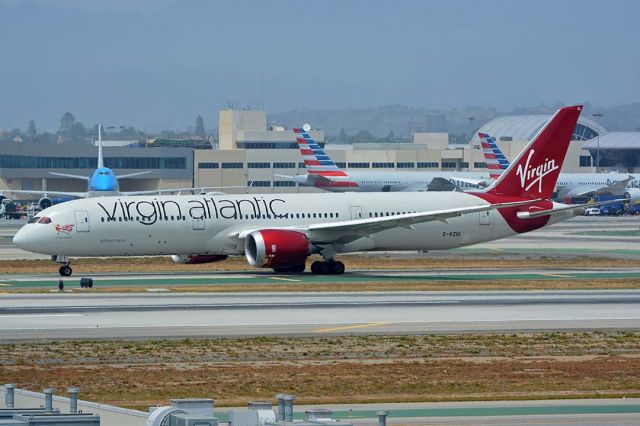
<point x="284" y="279"/>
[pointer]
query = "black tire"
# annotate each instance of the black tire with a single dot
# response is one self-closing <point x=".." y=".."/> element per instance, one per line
<point x="324" y="269"/>
<point x="298" y="269"/>
<point x="65" y="271"/>
<point x="337" y="268"/>
<point x="315" y="267"/>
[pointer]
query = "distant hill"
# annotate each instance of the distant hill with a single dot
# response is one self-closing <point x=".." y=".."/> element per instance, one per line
<point x="400" y="119"/>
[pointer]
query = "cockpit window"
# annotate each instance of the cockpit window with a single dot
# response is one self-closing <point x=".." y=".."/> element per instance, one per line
<point x="44" y="219"/>
<point x="33" y="219"/>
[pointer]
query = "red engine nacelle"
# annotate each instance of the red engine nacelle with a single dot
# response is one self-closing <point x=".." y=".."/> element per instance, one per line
<point x="275" y="248"/>
<point x="197" y="258"/>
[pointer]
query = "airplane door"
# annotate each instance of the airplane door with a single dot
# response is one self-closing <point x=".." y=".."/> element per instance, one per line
<point x="82" y="220"/>
<point x="198" y="223"/>
<point x="485" y="218"/>
<point x="356" y="212"/>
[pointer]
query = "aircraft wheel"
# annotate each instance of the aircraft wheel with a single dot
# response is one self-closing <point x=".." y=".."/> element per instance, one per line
<point x="315" y="267"/>
<point x="337" y="268"/>
<point x="65" y="270"/>
<point x="298" y="269"/>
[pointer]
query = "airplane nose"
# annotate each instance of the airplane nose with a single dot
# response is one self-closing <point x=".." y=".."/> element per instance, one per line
<point x="21" y="239"/>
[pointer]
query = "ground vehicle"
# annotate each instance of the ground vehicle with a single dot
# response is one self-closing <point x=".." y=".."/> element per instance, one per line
<point x="592" y="211"/>
<point x="9" y="209"/>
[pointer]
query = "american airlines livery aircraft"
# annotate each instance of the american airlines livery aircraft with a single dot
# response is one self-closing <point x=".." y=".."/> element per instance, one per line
<point x="280" y="231"/>
<point x="323" y="173"/>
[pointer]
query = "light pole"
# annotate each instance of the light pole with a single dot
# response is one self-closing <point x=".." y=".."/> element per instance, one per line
<point x="471" y="120"/>
<point x="597" y="116"/>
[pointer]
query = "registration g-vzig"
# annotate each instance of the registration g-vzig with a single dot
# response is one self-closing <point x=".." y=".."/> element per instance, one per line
<point x="281" y="231"/>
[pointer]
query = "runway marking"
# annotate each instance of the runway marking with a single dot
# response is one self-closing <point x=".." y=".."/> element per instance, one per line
<point x="351" y="327"/>
<point x="39" y="315"/>
<point x="5" y="285"/>
<point x="558" y="275"/>
<point x="284" y="279"/>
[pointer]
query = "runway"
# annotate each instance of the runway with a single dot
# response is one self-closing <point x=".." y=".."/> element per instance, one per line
<point x="261" y="277"/>
<point x="136" y="316"/>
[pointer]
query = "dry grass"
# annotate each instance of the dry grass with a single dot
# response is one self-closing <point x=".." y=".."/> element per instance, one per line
<point x="334" y="369"/>
<point x="354" y="262"/>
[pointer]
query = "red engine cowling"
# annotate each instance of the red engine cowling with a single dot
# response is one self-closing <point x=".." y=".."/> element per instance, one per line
<point x="197" y="258"/>
<point x="275" y="248"/>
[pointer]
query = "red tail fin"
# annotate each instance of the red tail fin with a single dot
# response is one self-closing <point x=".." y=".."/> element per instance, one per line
<point x="533" y="174"/>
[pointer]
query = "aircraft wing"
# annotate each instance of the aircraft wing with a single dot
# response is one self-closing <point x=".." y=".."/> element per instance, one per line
<point x="578" y="208"/>
<point x="585" y="191"/>
<point x="45" y="193"/>
<point x="350" y="230"/>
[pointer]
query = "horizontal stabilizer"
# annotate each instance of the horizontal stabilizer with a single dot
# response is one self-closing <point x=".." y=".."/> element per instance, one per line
<point x="576" y="207"/>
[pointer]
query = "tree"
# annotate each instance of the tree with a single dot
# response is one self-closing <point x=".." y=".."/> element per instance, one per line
<point x="342" y="137"/>
<point x="77" y="133"/>
<point x="66" y="122"/>
<point x="200" y="132"/>
<point x="32" y="132"/>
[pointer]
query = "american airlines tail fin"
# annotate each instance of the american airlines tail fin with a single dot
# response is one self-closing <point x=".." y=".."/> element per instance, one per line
<point x="533" y="174"/>
<point x="496" y="161"/>
<point x="315" y="159"/>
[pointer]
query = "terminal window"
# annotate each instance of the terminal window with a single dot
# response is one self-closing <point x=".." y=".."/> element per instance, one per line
<point x="281" y="183"/>
<point x="258" y="183"/>
<point x="382" y="165"/>
<point x="427" y="165"/>
<point x="34" y="162"/>
<point x="341" y="165"/>
<point x="359" y="165"/>
<point x="259" y="165"/>
<point x="478" y="165"/>
<point x="585" y="161"/>
<point x="208" y="165"/>
<point x="405" y="165"/>
<point x="448" y="164"/>
<point x="284" y="165"/>
<point x="232" y="165"/>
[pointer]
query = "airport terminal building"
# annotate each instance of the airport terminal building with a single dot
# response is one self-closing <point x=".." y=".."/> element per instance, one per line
<point x="255" y="157"/>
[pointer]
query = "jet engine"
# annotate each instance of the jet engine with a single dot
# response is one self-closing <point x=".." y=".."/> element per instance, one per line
<point x="197" y="258"/>
<point x="277" y="249"/>
<point x="45" y="203"/>
<point x="633" y="195"/>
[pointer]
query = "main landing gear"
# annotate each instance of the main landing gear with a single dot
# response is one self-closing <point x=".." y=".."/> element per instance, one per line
<point x="329" y="267"/>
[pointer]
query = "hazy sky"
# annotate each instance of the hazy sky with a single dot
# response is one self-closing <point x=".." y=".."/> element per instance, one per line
<point x="156" y="64"/>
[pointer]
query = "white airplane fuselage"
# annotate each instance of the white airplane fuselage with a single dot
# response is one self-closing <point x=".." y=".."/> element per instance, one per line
<point x="212" y="224"/>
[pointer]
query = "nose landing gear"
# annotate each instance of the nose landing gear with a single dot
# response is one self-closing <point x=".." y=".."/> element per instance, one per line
<point x="65" y="270"/>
